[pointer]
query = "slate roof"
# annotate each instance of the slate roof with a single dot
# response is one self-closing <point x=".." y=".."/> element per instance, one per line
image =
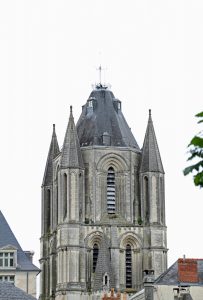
<point x="8" y="238"/>
<point x="104" y="118"/>
<point x="71" y="153"/>
<point x="151" y="159"/>
<point x="53" y="152"/>
<point x="9" y="292"/>
<point x="170" y="276"/>
<point x="103" y="266"/>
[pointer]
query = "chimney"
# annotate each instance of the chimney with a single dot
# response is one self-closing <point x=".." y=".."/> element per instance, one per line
<point x="29" y="254"/>
<point x="148" y="276"/>
<point x="148" y="281"/>
<point x="187" y="270"/>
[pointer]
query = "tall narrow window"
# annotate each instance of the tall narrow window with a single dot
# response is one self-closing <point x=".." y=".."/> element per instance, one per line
<point x="64" y="195"/>
<point x="111" y="200"/>
<point x="128" y="264"/>
<point x="95" y="256"/>
<point x="146" y="198"/>
<point x="48" y="209"/>
<point x="57" y="198"/>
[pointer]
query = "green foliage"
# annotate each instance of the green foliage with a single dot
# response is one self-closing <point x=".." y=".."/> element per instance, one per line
<point x="196" y="152"/>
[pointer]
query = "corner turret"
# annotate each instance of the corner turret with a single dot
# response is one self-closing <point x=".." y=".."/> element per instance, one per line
<point x="151" y="159"/>
<point x="53" y="152"/>
<point x="71" y="155"/>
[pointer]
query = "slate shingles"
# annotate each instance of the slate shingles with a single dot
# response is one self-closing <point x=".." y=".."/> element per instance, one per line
<point x="9" y="292"/>
<point x="8" y="238"/>
<point x="104" y="117"/>
<point x="103" y="266"/>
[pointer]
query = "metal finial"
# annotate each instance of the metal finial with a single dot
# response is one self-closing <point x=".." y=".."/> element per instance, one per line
<point x="71" y="109"/>
<point x="53" y="127"/>
<point x="100" y="70"/>
<point x="150" y="112"/>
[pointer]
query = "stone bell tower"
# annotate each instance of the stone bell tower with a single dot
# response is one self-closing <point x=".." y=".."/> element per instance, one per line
<point x="103" y="206"/>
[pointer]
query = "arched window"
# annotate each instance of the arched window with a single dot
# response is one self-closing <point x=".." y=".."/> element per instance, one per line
<point x="106" y="280"/>
<point x="95" y="256"/>
<point x="111" y="200"/>
<point x="128" y="266"/>
<point x="65" y="195"/>
<point x="146" y="198"/>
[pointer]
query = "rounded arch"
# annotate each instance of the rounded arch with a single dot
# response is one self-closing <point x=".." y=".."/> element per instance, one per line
<point x="131" y="239"/>
<point x="94" y="237"/>
<point x="117" y="162"/>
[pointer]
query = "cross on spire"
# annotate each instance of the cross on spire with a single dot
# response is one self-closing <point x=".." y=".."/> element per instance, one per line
<point x="101" y="84"/>
<point x="100" y="69"/>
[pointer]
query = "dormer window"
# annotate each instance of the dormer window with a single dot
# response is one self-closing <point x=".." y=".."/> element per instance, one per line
<point x="90" y="103"/>
<point x="117" y="104"/>
<point x="6" y="259"/>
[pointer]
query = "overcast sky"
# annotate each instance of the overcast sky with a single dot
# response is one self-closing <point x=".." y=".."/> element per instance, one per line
<point x="49" y="52"/>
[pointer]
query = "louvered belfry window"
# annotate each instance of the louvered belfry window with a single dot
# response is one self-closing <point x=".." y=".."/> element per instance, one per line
<point x="95" y="256"/>
<point x="111" y="199"/>
<point x="128" y="263"/>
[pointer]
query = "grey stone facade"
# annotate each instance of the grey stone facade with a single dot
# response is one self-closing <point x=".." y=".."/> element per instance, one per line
<point x="101" y="191"/>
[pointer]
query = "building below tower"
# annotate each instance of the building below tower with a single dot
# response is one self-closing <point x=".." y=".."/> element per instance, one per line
<point x="103" y="206"/>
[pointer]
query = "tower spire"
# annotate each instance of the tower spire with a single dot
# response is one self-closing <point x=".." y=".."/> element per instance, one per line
<point x="71" y="153"/>
<point x="151" y="159"/>
<point x="53" y="152"/>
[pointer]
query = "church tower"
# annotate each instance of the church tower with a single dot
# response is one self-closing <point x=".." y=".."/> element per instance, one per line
<point x="103" y="206"/>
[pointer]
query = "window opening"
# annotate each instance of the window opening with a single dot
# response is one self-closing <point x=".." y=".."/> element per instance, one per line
<point x="106" y="281"/>
<point x="111" y="191"/>
<point x="9" y="278"/>
<point x="48" y="209"/>
<point x="65" y="195"/>
<point x="95" y="256"/>
<point x="146" y="197"/>
<point x="128" y="261"/>
<point x="6" y="259"/>
<point x="90" y="103"/>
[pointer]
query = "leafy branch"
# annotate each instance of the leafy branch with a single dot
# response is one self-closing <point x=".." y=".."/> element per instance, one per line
<point x="196" y="152"/>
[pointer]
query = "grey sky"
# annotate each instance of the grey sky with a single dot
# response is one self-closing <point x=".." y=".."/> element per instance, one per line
<point x="49" y="52"/>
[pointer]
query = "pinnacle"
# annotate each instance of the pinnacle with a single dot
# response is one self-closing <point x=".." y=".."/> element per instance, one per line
<point x="151" y="159"/>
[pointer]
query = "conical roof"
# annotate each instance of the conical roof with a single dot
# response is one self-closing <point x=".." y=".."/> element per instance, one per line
<point x="151" y="159"/>
<point x="103" y="267"/>
<point x="7" y="238"/>
<point x="102" y="116"/>
<point x="71" y="153"/>
<point x="53" y="152"/>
